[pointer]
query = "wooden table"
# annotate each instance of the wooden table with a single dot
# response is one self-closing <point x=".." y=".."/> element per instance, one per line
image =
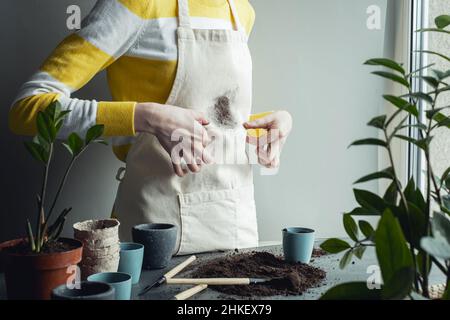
<point x="358" y="270"/>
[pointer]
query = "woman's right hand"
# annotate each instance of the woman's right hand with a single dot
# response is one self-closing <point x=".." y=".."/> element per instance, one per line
<point x="167" y="122"/>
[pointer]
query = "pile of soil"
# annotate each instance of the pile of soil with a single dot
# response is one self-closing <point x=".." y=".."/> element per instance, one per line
<point x="287" y="278"/>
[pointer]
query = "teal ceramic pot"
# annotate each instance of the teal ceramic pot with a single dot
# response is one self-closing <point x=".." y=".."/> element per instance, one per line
<point x="86" y="291"/>
<point x="121" y="282"/>
<point x="298" y="244"/>
<point x="159" y="240"/>
<point x="131" y="257"/>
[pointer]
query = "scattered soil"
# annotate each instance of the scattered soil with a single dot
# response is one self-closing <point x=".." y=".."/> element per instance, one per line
<point x="223" y="113"/>
<point x="318" y="252"/>
<point x="50" y="247"/>
<point x="287" y="278"/>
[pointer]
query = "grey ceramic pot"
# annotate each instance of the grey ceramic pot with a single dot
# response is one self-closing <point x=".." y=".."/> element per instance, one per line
<point x="159" y="242"/>
<point x="87" y="291"/>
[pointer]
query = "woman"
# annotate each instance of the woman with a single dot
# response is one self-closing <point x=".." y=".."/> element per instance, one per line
<point x="173" y="66"/>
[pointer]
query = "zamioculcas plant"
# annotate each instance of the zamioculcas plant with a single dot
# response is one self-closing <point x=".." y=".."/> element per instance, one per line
<point x="48" y="123"/>
<point x="413" y="232"/>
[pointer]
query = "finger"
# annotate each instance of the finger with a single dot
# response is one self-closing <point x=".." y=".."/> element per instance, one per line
<point x="178" y="170"/>
<point x="261" y="123"/>
<point x="275" y="162"/>
<point x="263" y="158"/>
<point x="273" y="150"/>
<point x="200" y="117"/>
<point x="190" y="161"/>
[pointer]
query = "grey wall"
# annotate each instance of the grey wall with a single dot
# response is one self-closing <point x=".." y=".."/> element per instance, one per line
<point x="308" y="58"/>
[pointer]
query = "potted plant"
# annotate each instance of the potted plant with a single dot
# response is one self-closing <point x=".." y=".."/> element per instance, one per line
<point x="413" y="232"/>
<point x="38" y="263"/>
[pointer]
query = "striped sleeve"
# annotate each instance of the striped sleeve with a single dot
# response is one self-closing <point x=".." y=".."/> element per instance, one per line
<point x="107" y="32"/>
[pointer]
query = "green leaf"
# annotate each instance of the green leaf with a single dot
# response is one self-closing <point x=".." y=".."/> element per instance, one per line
<point x="442" y="21"/>
<point x="391" y="64"/>
<point x="37" y="151"/>
<point x="431" y="113"/>
<point x="45" y="127"/>
<point x="369" y="200"/>
<point x="352" y="291"/>
<point x="359" y="211"/>
<point x="94" y="133"/>
<point x="335" y="245"/>
<point x="391" y="193"/>
<point x="421" y="143"/>
<point x="418" y="221"/>
<point x="442" y="120"/>
<point x="385" y="174"/>
<point x="420" y="96"/>
<point x="53" y="111"/>
<point x="434" y="30"/>
<point x="369" y="141"/>
<point x="359" y="251"/>
<point x="433" y="82"/>
<point x="74" y="144"/>
<point x="346" y="259"/>
<point x="378" y="122"/>
<point x="400" y="285"/>
<point x="391" y="248"/>
<point x="441" y="75"/>
<point x="366" y="229"/>
<point x="393" y="77"/>
<point x="402" y="104"/>
<point x="446" y="174"/>
<point x="436" y="54"/>
<point x="101" y="141"/>
<point x="436" y="247"/>
<point x="350" y="226"/>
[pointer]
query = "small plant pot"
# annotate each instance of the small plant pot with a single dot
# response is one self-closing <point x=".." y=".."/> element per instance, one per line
<point x="101" y="251"/>
<point x="159" y="242"/>
<point x="33" y="276"/>
<point x="298" y="244"/>
<point x="86" y="291"/>
<point x="121" y="282"/>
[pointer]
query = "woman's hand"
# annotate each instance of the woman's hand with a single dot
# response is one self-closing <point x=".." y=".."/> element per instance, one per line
<point x="167" y="122"/>
<point x="269" y="146"/>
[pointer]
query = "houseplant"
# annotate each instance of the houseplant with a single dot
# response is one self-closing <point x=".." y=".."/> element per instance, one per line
<point x="413" y="232"/>
<point x="38" y="263"/>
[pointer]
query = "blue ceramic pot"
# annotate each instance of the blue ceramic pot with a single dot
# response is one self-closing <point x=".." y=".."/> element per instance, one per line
<point x="121" y="282"/>
<point x="298" y="244"/>
<point x="86" y="291"/>
<point x="131" y="257"/>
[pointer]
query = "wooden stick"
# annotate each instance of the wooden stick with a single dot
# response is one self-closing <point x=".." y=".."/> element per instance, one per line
<point x="179" y="267"/>
<point x="190" y="292"/>
<point x="210" y="281"/>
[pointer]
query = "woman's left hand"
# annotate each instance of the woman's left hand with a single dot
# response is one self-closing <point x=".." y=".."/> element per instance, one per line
<point x="269" y="146"/>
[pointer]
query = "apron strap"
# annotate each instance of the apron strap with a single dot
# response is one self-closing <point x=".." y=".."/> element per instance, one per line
<point x="184" y="18"/>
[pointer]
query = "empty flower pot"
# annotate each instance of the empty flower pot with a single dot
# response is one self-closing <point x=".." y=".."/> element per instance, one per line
<point x="131" y="257"/>
<point x="121" y="282"/>
<point x="86" y="291"/>
<point x="101" y="247"/>
<point x="159" y="242"/>
<point x="298" y="244"/>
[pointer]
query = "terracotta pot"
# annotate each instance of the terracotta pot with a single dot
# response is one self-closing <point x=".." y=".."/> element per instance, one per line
<point x="34" y="276"/>
<point x="101" y="247"/>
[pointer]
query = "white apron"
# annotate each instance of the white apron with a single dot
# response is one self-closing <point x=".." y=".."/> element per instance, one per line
<point x="213" y="209"/>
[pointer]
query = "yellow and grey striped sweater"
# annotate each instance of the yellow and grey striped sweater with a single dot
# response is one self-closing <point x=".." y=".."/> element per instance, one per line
<point x="135" y="40"/>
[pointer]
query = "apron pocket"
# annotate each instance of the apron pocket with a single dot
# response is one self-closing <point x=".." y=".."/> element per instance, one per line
<point x="208" y="221"/>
